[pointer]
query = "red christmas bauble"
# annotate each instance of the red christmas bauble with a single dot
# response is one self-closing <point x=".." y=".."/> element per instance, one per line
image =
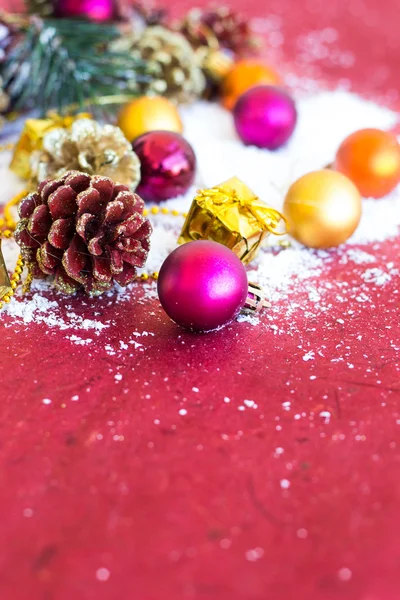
<point x="168" y="165"/>
<point x="95" y="10"/>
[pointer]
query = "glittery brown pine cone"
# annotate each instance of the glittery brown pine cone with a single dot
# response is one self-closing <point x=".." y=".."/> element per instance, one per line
<point x="149" y="13"/>
<point x="86" y="232"/>
<point x="42" y="8"/>
<point x="221" y="27"/>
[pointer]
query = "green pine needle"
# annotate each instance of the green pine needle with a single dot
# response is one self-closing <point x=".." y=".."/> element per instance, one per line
<point x="67" y="65"/>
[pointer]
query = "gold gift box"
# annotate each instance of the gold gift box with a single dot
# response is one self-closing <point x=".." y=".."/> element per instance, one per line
<point x="232" y="215"/>
<point x="32" y="139"/>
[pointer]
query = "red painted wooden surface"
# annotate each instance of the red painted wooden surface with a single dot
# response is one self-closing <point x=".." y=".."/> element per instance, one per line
<point x="193" y="507"/>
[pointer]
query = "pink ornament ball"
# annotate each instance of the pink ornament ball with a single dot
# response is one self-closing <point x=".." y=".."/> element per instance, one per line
<point x="95" y="10"/>
<point x="168" y="165"/>
<point x="265" y="116"/>
<point x="202" y="285"/>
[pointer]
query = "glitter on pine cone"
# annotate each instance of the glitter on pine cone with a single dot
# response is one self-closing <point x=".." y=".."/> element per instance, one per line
<point x="219" y="27"/>
<point x="85" y="232"/>
<point x="87" y="147"/>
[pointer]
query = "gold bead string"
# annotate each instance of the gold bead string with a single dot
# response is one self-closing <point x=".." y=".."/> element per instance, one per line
<point x="7" y="228"/>
<point x="7" y="147"/>
<point x="163" y="211"/>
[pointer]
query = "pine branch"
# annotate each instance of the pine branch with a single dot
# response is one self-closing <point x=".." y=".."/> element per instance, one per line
<point x="65" y="62"/>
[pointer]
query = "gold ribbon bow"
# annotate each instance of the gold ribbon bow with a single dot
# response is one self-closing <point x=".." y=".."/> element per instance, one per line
<point x="267" y="217"/>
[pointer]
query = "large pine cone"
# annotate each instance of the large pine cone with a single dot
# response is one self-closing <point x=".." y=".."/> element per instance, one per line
<point x="219" y="27"/>
<point x="174" y="65"/>
<point x="87" y="232"/>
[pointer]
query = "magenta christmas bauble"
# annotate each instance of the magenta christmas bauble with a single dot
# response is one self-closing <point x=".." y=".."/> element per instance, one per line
<point x="168" y="165"/>
<point x="265" y="116"/>
<point x="202" y="285"/>
<point x="95" y="10"/>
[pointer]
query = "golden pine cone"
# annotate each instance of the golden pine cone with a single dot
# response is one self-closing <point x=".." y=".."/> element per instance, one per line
<point x="87" y="147"/>
<point x="174" y="65"/>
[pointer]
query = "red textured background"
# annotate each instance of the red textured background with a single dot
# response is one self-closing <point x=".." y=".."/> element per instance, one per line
<point x="173" y="509"/>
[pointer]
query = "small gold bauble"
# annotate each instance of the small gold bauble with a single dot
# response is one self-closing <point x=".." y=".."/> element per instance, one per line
<point x="149" y="113"/>
<point x="323" y="209"/>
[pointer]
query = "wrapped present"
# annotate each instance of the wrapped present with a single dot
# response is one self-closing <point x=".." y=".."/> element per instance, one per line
<point x="32" y="138"/>
<point x="232" y="215"/>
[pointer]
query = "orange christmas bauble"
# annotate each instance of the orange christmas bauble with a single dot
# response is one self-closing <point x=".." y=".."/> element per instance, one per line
<point x="244" y="75"/>
<point x="371" y="159"/>
<point x="149" y="113"/>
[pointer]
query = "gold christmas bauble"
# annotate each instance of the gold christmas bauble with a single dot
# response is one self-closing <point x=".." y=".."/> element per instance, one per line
<point x="149" y="113"/>
<point x="323" y="209"/>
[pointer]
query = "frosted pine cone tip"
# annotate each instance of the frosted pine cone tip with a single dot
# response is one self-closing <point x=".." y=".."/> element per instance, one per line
<point x="87" y="232"/>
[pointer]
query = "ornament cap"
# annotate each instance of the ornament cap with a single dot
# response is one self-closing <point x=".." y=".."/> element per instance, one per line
<point x="255" y="300"/>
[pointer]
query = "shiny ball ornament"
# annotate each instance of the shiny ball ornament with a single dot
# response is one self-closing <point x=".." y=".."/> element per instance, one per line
<point x="202" y="285"/>
<point x="323" y="209"/>
<point x="168" y="165"/>
<point x="244" y="75"/>
<point x="265" y="116"/>
<point x="371" y="159"/>
<point x="149" y="113"/>
<point x="95" y="10"/>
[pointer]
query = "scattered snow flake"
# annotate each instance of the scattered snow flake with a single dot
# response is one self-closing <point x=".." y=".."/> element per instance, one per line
<point x="250" y="404"/>
<point x="344" y="574"/>
<point x="325" y="415"/>
<point x="302" y="533"/>
<point x="285" y="484"/>
<point x="376" y="276"/>
<point x="254" y="554"/>
<point x="103" y="574"/>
